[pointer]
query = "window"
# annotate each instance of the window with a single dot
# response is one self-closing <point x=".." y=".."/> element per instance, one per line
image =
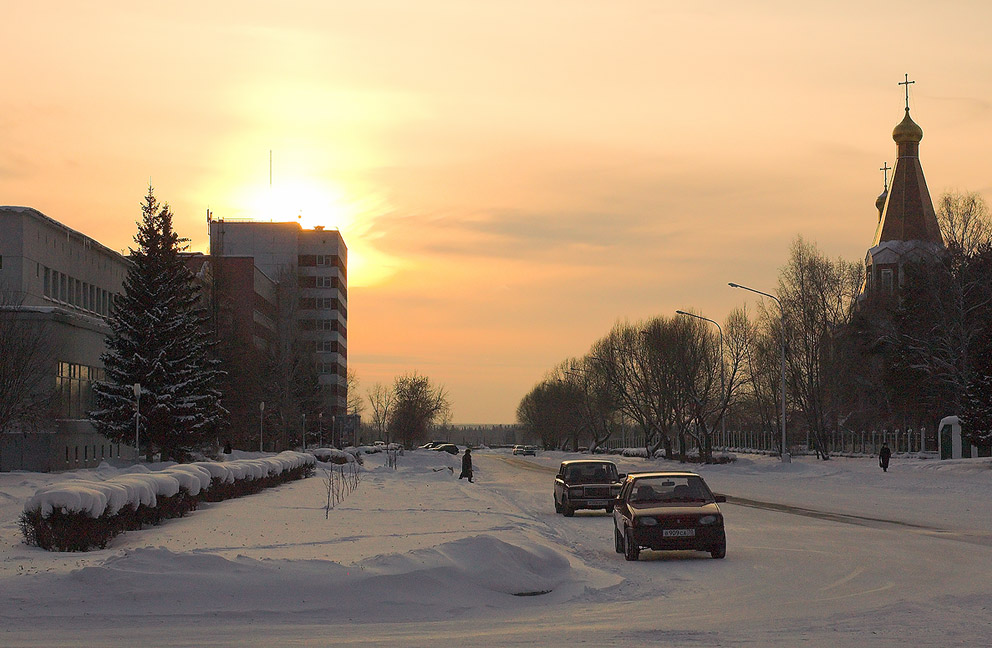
<point x="887" y="285"/>
<point x="48" y="282"/>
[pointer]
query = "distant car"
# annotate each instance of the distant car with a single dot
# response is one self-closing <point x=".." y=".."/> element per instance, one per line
<point x="668" y="511"/>
<point x="450" y="448"/>
<point x="430" y="445"/>
<point x="524" y="450"/>
<point x="586" y="484"/>
<point x="379" y="443"/>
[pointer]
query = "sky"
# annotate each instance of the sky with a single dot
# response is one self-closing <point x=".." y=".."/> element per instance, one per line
<point x="511" y="178"/>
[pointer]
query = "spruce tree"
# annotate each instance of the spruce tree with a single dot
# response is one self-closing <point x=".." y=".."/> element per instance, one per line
<point x="157" y="341"/>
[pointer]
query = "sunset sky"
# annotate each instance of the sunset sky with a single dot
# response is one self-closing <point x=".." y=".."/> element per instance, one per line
<point x="511" y="178"/>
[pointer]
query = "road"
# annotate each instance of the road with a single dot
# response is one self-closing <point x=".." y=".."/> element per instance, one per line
<point x="789" y="569"/>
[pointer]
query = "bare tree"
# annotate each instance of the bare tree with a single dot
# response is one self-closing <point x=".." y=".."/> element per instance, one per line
<point x="381" y="399"/>
<point x="356" y="404"/>
<point x="551" y="411"/>
<point x="27" y="367"/>
<point x="818" y="296"/>
<point x="965" y="223"/>
<point x="417" y="407"/>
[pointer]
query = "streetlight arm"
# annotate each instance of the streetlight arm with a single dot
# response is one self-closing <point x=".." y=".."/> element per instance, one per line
<point x="733" y="285"/>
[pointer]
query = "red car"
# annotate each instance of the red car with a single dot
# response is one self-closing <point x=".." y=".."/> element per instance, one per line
<point x="668" y="511"/>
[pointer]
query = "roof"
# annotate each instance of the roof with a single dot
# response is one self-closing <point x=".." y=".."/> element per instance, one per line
<point x="663" y="473"/>
<point x="572" y="462"/>
<point x="908" y="214"/>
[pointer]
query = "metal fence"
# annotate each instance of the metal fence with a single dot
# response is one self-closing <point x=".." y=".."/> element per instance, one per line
<point x="839" y="442"/>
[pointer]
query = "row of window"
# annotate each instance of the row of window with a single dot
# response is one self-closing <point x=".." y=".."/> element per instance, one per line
<point x="330" y="368"/>
<point x="74" y="389"/>
<point x="322" y="281"/>
<point x="322" y="260"/>
<point x="69" y="290"/>
<point x="329" y="346"/>
<point x="108" y="451"/>
<point x="321" y="303"/>
<point x="321" y="325"/>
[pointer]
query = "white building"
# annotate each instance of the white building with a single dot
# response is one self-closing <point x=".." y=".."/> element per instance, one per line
<point x="64" y="282"/>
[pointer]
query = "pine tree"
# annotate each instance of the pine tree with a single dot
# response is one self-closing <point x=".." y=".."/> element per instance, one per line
<point x="157" y="342"/>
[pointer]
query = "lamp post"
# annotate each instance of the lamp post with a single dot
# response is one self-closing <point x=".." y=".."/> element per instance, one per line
<point x="261" y="419"/>
<point x="320" y="429"/>
<point x="785" y="455"/>
<point x="136" y="388"/>
<point x="723" y="419"/>
<point x="304" y="431"/>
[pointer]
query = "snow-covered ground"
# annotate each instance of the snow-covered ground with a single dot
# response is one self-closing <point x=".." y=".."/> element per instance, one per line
<point x="416" y="557"/>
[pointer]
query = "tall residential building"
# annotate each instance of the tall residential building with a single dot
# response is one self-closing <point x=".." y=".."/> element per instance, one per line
<point x="310" y="266"/>
<point x="62" y="282"/>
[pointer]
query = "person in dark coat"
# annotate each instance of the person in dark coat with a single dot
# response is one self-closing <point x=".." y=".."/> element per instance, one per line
<point x="467" y="465"/>
<point x="883" y="457"/>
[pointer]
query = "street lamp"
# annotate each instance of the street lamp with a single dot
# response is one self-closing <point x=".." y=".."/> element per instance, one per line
<point x="320" y="429"/>
<point x="785" y="455"/>
<point x="723" y="419"/>
<point x="261" y="420"/>
<point x="136" y="387"/>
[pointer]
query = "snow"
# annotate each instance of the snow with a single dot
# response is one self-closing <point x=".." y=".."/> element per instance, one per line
<point x="143" y="486"/>
<point x="416" y="557"/>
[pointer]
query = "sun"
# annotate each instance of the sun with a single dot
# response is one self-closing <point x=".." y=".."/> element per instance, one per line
<point x="308" y="202"/>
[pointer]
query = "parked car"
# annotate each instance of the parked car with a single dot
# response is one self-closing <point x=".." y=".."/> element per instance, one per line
<point x="430" y="445"/>
<point x="586" y="484"/>
<point x="668" y="511"/>
<point x="524" y="450"/>
<point x="450" y="448"/>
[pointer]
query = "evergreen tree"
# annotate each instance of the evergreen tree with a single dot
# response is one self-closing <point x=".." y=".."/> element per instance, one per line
<point x="157" y="341"/>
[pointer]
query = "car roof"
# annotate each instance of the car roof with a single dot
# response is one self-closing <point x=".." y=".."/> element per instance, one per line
<point x="662" y="473"/>
<point x="572" y="462"/>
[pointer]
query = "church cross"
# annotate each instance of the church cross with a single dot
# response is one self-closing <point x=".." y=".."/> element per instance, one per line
<point x="907" y="83"/>
<point x="885" y="171"/>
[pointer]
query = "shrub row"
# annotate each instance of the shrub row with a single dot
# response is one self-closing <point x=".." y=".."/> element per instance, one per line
<point x="79" y="515"/>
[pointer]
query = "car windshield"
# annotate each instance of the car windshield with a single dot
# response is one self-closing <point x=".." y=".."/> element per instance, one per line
<point x="591" y="473"/>
<point x="670" y="489"/>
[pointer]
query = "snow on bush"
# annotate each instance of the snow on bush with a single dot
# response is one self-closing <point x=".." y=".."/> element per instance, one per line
<point x="79" y="514"/>
<point x="333" y="455"/>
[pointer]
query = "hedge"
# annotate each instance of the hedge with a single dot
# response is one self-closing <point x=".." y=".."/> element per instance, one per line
<point x="79" y="515"/>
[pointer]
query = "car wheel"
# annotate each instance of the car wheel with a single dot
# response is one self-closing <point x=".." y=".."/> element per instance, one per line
<point x="557" y="506"/>
<point x="630" y="549"/>
<point x="609" y="509"/>
<point x="566" y="508"/>
<point x="617" y="539"/>
<point x="720" y="550"/>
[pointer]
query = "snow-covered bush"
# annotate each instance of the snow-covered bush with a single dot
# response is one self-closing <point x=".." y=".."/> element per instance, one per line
<point x="78" y="515"/>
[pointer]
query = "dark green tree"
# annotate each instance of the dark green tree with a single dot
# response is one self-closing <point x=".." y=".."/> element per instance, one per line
<point x="158" y="342"/>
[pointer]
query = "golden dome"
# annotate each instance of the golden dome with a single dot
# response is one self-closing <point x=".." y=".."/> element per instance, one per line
<point x="907" y="130"/>
<point x="880" y="201"/>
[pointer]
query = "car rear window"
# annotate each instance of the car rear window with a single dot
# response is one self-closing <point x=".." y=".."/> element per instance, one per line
<point x="591" y="473"/>
<point x="670" y="489"/>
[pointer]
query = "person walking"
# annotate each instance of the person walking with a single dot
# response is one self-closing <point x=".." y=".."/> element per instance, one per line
<point x="883" y="457"/>
<point x="467" y="465"/>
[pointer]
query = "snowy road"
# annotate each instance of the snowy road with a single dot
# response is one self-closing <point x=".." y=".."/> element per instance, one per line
<point x="818" y="554"/>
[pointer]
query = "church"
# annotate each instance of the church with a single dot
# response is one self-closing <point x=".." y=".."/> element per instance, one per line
<point x="907" y="229"/>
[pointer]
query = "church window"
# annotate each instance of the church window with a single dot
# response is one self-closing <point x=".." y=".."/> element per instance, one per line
<point x="887" y="281"/>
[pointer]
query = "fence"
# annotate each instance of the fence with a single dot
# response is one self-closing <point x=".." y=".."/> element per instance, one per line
<point x="843" y="442"/>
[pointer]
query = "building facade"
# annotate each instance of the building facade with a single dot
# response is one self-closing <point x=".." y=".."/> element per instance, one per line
<point x="310" y="268"/>
<point x="63" y="283"/>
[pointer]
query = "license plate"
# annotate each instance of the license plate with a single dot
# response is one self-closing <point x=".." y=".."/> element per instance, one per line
<point x="597" y="502"/>
<point x="678" y="533"/>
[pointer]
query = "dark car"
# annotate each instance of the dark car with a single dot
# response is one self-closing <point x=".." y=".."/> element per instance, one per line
<point x="586" y="484"/>
<point x="668" y="511"/>
<point x="450" y="448"/>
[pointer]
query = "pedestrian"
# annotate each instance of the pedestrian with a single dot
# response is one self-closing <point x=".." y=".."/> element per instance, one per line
<point x="467" y="465"/>
<point x="883" y="457"/>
